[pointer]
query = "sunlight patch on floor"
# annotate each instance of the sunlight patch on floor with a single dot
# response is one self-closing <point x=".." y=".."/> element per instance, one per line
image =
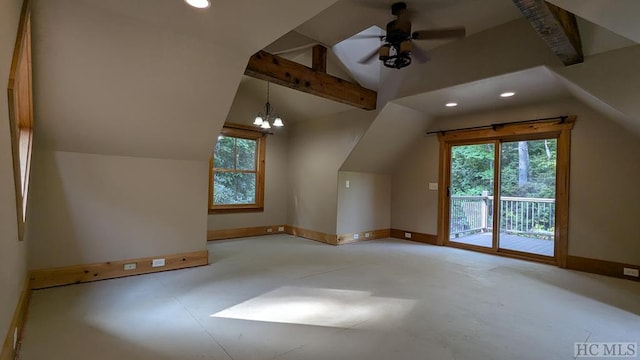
<point x="321" y="307"/>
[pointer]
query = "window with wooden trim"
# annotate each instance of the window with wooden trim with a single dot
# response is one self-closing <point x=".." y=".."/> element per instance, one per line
<point x="236" y="171"/>
<point x="19" y="91"/>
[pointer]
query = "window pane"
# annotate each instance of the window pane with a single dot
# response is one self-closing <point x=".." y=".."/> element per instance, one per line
<point x="246" y="154"/>
<point x="224" y="153"/>
<point x="234" y="188"/>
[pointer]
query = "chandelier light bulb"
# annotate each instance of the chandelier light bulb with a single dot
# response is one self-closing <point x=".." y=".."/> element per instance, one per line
<point x="265" y="125"/>
<point x="200" y="4"/>
<point x="278" y="122"/>
<point x="258" y="121"/>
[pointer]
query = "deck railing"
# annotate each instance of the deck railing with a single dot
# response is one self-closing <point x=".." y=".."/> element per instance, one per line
<point x="529" y="217"/>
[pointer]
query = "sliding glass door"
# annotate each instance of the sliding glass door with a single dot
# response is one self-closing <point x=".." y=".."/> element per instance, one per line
<point x="528" y="196"/>
<point x="504" y="185"/>
<point x="471" y="194"/>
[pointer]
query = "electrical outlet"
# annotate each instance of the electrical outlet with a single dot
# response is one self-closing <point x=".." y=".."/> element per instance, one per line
<point x="131" y="266"/>
<point x="631" y="272"/>
<point x="367" y="235"/>
<point x="407" y="235"/>
<point x="356" y="236"/>
<point x="280" y="228"/>
<point x="269" y="230"/>
<point x="157" y="262"/>
<point x="347" y="184"/>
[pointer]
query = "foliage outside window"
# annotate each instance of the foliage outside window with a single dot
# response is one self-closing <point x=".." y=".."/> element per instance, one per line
<point x="236" y="179"/>
<point x="528" y="169"/>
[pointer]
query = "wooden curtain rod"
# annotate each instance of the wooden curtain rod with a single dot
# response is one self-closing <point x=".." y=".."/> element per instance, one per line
<point x="562" y="119"/>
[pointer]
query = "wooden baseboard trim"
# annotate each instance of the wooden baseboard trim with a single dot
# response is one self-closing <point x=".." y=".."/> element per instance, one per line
<point x="223" y="234"/>
<point x="312" y="235"/>
<point x="17" y="325"/>
<point x="362" y="236"/>
<point x="600" y="267"/>
<point x="415" y="236"/>
<point x="68" y="275"/>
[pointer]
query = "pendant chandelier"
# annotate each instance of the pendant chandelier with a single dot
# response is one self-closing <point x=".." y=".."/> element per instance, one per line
<point x="264" y="120"/>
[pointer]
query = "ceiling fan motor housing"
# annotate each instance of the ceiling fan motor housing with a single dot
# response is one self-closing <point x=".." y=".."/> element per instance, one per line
<point x="398" y="8"/>
<point x="398" y="31"/>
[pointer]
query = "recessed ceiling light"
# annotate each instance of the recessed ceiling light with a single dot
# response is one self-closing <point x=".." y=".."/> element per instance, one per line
<point x="200" y="4"/>
<point x="451" y="104"/>
<point x="507" y="94"/>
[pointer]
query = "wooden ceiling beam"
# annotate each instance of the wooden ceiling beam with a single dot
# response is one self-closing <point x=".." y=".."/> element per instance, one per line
<point x="319" y="58"/>
<point x="556" y="26"/>
<point x="287" y="73"/>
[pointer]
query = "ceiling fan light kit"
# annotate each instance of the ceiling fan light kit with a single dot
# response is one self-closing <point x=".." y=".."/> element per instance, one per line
<point x="397" y="47"/>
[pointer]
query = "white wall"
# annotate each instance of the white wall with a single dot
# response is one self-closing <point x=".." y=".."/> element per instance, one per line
<point x="12" y="253"/>
<point x="88" y="208"/>
<point x="317" y="149"/>
<point x="604" y="197"/>
<point x="366" y="204"/>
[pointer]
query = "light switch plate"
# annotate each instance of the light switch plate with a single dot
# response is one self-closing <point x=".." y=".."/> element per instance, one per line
<point x="433" y="186"/>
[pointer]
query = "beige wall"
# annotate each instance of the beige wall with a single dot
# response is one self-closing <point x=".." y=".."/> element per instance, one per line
<point x="317" y="149"/>
<point x="604" y="196"/>
<point x="394" y="128"/>
<point x="12" y="253"/>
<point x="275" y="196"/>
<point x="366" y="204"/>
<point x="243" y="111"/>
<point x="413" y="205"/>
<point x="88" y="208"/>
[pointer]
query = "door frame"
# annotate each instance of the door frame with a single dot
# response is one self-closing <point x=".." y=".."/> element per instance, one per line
<point x="558" y="129"/>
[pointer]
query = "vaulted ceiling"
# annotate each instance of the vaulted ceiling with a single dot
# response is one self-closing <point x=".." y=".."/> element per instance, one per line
<point x="489" y="19"/>
<point x="156" y="78"/>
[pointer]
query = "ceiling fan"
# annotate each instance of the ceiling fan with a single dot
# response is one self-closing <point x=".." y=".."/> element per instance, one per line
<point x="397" y="45"/>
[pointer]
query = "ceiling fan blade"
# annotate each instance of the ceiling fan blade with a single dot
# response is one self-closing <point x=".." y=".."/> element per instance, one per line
<point x="367" y="59"/>
<point x="420" y="55"/>
<point x="443" y="33"/>
<point x="367" y="37"/>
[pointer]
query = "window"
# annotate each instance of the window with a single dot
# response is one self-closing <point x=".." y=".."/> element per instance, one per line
<point x="21" y="115"/>
<point x="236" y="172"/>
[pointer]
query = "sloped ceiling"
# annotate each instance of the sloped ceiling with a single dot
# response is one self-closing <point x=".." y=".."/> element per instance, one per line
<point x="147" y="78"/>
<point x="619" y="16"/>
<point x="293" y="105"/>
<point x="391" y="133"/>
<point x="531" y="85"/>
<point x="501" y="48"/>
<point x="349" y="17"/>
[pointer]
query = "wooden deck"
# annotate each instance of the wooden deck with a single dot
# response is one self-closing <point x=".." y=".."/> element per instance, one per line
<point x="511" y="242"/>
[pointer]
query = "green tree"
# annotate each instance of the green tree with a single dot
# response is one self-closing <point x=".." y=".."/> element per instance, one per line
<point x="234" y="162"/>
